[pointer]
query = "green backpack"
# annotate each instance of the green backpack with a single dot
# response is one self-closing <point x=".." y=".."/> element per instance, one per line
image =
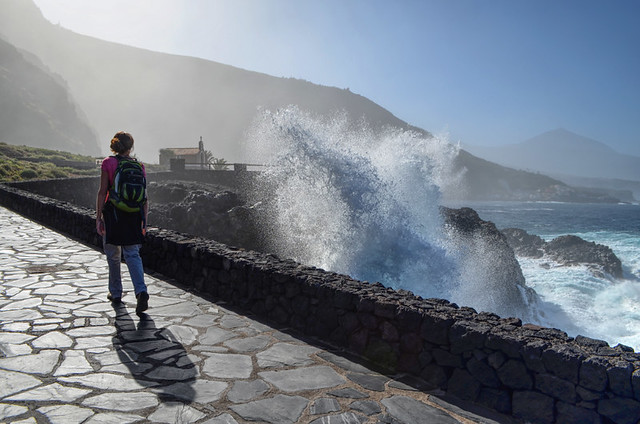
<point x="129" y="189"/>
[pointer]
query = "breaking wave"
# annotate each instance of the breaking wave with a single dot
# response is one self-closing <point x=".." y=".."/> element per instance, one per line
<point x="366" y="203"/>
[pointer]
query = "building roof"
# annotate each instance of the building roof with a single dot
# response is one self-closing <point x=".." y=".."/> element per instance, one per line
<point x="184" y="151"/>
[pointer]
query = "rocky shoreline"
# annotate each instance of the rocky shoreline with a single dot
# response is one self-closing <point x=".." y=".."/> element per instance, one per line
<point x="222" y="214"/>
<point x="567" y="250"/>
<point x="532" y="373"/>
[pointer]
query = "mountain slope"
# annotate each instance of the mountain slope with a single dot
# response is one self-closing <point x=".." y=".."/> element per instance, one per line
<point x="170" y="101"/>
<point x="561" y="152"/>
<point x="36" y="108"/>
<point x="167" y="100"/>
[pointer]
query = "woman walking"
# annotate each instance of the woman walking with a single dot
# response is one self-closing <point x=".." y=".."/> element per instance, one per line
<point x="121" y="216"/>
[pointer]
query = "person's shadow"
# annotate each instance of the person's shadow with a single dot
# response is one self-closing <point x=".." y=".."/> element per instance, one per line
<point x="154" y="357"/>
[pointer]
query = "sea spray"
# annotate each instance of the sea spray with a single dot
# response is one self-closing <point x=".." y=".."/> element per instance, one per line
<point x="343" y="197"/>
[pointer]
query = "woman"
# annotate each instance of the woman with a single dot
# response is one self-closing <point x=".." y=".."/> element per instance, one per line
<point x="121" y="231"/>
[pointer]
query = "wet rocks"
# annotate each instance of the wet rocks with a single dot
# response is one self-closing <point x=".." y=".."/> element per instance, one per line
<point x="568" y="250"/>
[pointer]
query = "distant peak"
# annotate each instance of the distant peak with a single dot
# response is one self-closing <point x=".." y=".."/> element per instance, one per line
<point x="568" y="139"/>
<point x="561" y="131"/>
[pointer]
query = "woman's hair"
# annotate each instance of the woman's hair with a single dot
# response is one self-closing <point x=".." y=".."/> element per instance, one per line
<point x="121" y="142"/>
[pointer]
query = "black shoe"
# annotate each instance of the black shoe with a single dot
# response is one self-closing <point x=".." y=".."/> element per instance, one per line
<point x="114" y="299"/>
<point x="143" y="302"/>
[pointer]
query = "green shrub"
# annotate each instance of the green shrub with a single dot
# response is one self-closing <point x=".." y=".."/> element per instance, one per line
<point x="28" y="174"/>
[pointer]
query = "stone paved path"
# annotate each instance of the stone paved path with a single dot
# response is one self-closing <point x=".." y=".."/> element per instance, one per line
<point x="68" y="356"/>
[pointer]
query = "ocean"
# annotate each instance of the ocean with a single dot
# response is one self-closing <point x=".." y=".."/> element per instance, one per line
<point x="601" y="308"/>
<point x="366" y="203"/>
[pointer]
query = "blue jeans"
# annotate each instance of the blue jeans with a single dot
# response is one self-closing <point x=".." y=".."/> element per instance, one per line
<point x="134" y="263"/>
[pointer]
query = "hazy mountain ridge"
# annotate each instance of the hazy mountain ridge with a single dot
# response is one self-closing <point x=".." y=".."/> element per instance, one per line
<point x="36" y="108"/>
<point x="168" y="100"/>
<point x="561" y="152"/>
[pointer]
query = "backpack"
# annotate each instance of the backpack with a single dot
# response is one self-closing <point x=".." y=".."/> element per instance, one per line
<point x="129" y="190"/>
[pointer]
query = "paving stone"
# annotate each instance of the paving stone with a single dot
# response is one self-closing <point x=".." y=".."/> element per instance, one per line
<point x="202" y="321"/>
<point x="113" y="418"/>
<point x="54" y="392"/>
<point x="53" y="340"/>
<point x="200" y="391"/>
<point x="108" y="381"/>
<point x="184" y="335"/>
<point x="375" y="382"/>
<point x="228" y="365"/>
<point x="92" y="331"/>
<point x="20" y="315"/>
<point x="344" y="418"/>
<point x="150" y="346"/>
<point x="65" y="289"/>
<point x="74" y="362"/>
<point x="280" y="409"/>
<point x="93" y="342"/>
<point x="343" y="362"/>
<point x="299" y="379"/>
<point x="232" y="321"/>
<point x="349" y="393"/>
<point x="215" y="335"/>
<point x="249" y="344"/>
<point x="22" y="304"/>
<point x="408" y="410"/>
<point x="243" y="391"/>
<point x="324" y="406"/>
<point x="8" y="411"/>
<point x="98" y="322"/>
<point x="14" y="382"/>
<point x="367" y="407"/>
<point x="65" y="414"/>
<point x="15" y="338"/>
<point x="222" y="419"/>
<point x="135" y="335"/>
<point x="173" y="412"/>
<point x="26" y="421"/>
<point x="186" y="360"/>
<point x="165" y="354"/>
<point x="172" y="373"/>
<point x="39" y="363"/>
<point x="47" y="321"/>
<point x="286" y="355"/>
<point x="16" y="326"/>
<point x="113" y="358"/>
<point x="122" y="401"/>
<point x="8" y="350"/>
<point x="182" y="309"/>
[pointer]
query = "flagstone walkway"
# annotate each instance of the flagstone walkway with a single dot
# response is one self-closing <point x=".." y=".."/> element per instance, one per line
<point x="67" y="355"/>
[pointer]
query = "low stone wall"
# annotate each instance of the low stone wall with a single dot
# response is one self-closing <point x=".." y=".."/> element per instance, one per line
<point x="535" y="374"/>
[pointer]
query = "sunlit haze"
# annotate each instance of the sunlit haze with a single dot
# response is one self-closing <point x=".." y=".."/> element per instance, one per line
<point x="487" y="72"/>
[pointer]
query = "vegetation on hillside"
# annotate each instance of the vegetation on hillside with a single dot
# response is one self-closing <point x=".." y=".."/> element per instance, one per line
<point x="19" y="163"/>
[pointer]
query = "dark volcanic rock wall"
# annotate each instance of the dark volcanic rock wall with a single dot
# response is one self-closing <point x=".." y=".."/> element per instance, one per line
<point x="535" y="374"/>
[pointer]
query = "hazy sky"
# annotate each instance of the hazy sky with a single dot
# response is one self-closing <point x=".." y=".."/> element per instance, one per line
<point x="485" y="71"/>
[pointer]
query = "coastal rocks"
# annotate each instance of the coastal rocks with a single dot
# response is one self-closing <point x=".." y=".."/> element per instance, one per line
<point x="566" y="250"/>
<point x="223" y="214"/>
<point x="491" y="260"/>
<point x="205" y="210"/>
<point x="523" y="243"/>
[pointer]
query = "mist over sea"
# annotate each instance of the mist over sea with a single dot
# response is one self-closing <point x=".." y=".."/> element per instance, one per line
<point x="366" y="203"/>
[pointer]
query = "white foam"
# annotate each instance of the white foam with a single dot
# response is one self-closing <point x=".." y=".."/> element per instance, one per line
<point x="366" y="203"/>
